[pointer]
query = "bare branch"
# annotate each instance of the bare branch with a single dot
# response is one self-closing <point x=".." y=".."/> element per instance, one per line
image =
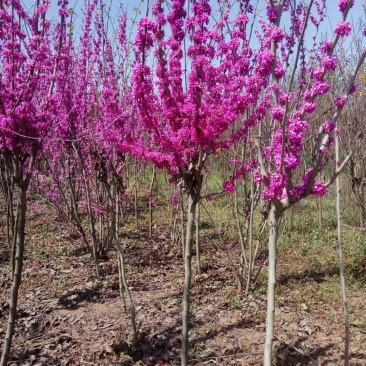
<point x="339" y="170"/>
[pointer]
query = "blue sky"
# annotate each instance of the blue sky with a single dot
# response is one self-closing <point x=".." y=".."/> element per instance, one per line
<point x="356" y="13"/>
<point x="137" y="8"/>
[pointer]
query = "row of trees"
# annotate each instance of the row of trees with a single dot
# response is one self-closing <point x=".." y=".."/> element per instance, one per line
<point x="198" y="80"/>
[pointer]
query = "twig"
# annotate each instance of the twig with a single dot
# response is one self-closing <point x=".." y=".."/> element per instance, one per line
<point x="339" y="170"/>
<point x="354" y="227"/>
<point x="261" y="162"/>
<point x="217" y="357"/>
<point x="297" y="350"/>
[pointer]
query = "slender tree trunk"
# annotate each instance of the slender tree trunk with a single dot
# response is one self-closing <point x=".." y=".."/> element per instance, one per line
<point x="90" y="214"/>
<point x="150" y="200"/>
<point x="8" y="224"/>
<point x="187" y="278"/>
<point x="19" y="256"/>
<point x="341" y="260"/>
<point x="92" y="228"/>
<point x="135" y="193"/>
<point x="174" y="231"/>
<point x="198" y="245"/>
<point x="181" y="199"/>
<point x="121" y="265"/>
<point x="320" y="212"/>
<point x="274" y="216"/>
<point x="251" y="254"/>
<point x="14" y="241"/>
<point x="123" y="276"/>
<point x="120" y="279"/>
<point x="242" y="239"/>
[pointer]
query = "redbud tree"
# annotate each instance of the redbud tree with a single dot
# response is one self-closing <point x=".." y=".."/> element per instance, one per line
<point x="93" y="135"/>
<point x="32" y="64"/>
<point x="208" y="73"/>
<point x="292" y="106"/>
<point x="202" y="81"/>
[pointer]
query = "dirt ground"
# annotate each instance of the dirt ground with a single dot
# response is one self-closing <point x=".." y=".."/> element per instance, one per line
<point x="67" y="317"/>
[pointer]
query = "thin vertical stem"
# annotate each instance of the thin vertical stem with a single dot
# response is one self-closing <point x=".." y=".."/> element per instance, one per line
<point x="120" y="278"/>
<point x="150" y="200"/>
<point x="181" y="200"/>
<point x="18" y="266"/>
<point x="251" y="257"/>
<point x="271" y="294"/>
<point x="187" y="279"/>
<point x="341" y="258"/>
<point x="198" y="246"/>
<point x="136" y="211"/>
<point x="121" y="265"/>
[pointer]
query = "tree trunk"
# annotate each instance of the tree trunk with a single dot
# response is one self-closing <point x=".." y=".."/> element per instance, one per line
<point x="135" y="196"/>
<point x="20" y="236"/>
<point x="198" y="247"/>
<point x="14" y="241"/>
<point x="181" y="200"/>
<point x="92" y="228"/>
<point x="90" y="214"/>
<point x="187" y="278"/>
<point x="120" y="279"/>
<point x="150" y="200"/>
<point x="341" y="260"/>
<point x="242" y="239"/>
<point x="320" y="212"/>
<point x="250" y="243"/>
<point x="121" y="265"/>
<point x="274" y="216"/>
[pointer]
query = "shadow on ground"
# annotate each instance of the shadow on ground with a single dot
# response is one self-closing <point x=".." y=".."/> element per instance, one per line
<point x="289" y="354"/>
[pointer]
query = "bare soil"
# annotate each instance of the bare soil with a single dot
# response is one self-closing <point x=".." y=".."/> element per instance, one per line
<point x="67" y="317"/>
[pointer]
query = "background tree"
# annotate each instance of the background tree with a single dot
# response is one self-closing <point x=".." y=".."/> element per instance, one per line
<point x="33" y="61"/>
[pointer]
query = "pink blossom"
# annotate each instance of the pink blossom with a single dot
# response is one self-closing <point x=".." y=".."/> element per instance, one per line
<point x="272" y="14"/>
<point x="291" y="161"/>
<point x="42" y="9"/>
<point x="236" y="161"/>
<point x="343" y="28"/>
<point x="329" y="126"/>
<point x="318" y="73"/>
<point x="330" y="63"/>
<point x="279" y="70"/>
<point x="276" y="187"/>
<point x="258" y="177"/>
<point x="241" y="20"/>
<point x="309" y="107"/>
<point x="320" y="88"/>
<point x="326" y="46"/>
<point x="277" y="34"/>
<point x="354" y="88"/>
<point x="340" y="101"/>
<point x="319" y="189"/>
<point x="342" y="4"/>
<point x="278" y="113"/>
<point x="229" y="186"/>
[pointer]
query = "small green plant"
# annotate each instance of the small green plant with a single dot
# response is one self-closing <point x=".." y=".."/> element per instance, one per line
<point x="237" y="302"/>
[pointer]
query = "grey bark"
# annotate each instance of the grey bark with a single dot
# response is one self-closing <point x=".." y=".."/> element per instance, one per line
<point x="198" y="246"/>
<point x="150" y="203"/>
<point x="121" y="265"/>
<point x="187" y="278"/>
<point x="274" y="216"/>
<point x="341" y="260"/>
<point x="18" y="261"/>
